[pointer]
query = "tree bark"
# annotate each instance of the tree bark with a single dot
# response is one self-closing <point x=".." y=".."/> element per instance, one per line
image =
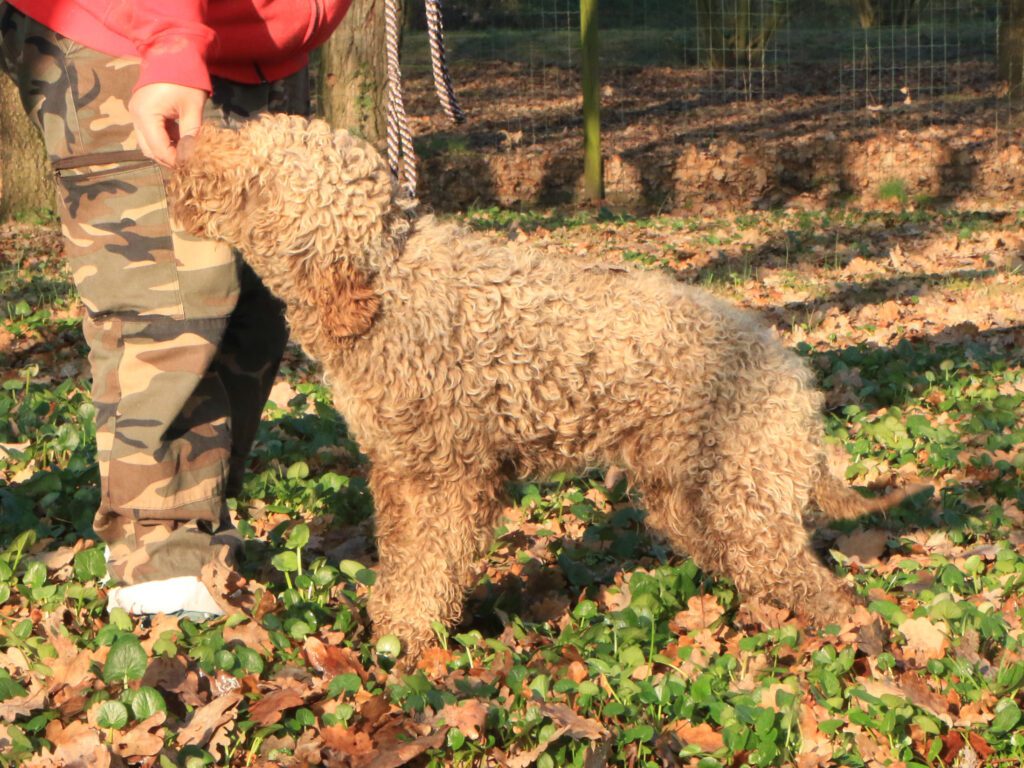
<point x="353" y="73"/>
<point x="1011" y="44"/>
<point x="25" y="184"/>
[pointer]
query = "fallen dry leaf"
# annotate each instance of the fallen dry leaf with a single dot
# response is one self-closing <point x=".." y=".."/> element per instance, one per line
<point x="917" y="691"/>
<point x="577" y="671"/>
<point x="434" y="661"/>
<point x="140" y="741"/>
<point x="20" y="706"/>
<point x="701" y="611"/>
<point x="398" y="753"/>
<point x="173" y="676"/>
<point x="529" y="757"/>
<point x="159" y="624"/>
<point x="924" y="640"/>
<point x="346" y="741"/>
<point x="815" y="745"/>
<point x="308" y="748"/>
<point x="7" y="449"/>
<point x="58" y="561"/>
<point x="468" y="716"/>
<point x="872" y="748"/>
<point x="579" y="727"/>
<point x="252" y="635"/>
<point x="769" y="695"/>
<point x="15" y="662"/>
<point x="76" y="746"/>
<point x="333" y="660"/>
<point x="757" y="611"/>
<point x="701" y="734"/>
<point x="228" y="587"/>
<point x="271" y="707"/>
<point x="866" y="547"/>
<point x="201" y="726"/>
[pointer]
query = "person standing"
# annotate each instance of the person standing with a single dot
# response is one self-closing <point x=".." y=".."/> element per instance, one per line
<point x="184" y="339"/>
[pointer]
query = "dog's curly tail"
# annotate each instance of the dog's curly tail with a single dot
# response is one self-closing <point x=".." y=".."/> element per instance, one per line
<point x="838" y="501"/>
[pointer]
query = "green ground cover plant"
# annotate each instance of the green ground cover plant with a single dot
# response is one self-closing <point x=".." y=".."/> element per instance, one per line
<point x="586" y="642"/>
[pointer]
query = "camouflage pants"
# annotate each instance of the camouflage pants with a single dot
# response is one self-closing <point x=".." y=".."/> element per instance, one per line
<point x="184" y="340"/>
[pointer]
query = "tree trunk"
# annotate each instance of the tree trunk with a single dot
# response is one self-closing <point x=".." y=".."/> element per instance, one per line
<point x="1011" y="44"/>
<point x="353" y="73"/>
<point x="25" y="184"/>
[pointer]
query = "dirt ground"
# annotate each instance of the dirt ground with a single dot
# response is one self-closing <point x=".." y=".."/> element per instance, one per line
<point x="679" y="141"/>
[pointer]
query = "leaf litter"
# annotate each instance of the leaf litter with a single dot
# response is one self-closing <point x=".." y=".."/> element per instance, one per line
<point x="585" y="641"/>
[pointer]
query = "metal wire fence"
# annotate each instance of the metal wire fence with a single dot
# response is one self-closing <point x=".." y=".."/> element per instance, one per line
<point x="677" y="74"/>
<point x="869" y="53"/>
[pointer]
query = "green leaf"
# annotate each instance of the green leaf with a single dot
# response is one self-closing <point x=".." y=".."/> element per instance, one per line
<point x="248" y="660"/>
<point x="35" y="574"/>
<point x="112" y="714"/>
<point x="587" y="609"/>
<point x="357" y="572"/>
<point x="121" y="619"/>
<point x="298" y="629"/>
<point x="638" y="733"/>
<point x="889" y="611"/>
<point x="347" y="683"/>
<point x="298" y="537"/>
<point x="9" y="687"/>
<point x="927" y="724"/>
<point x="298" y="471"/>
<point x="147" y="702"/>
<point x="90" y="564"/>
<point x="1007" y="716"/>
<point x="286" y="562"/>
<point x="126" y="661"/>
<point x="350" y="568"/>
<point x="456" y="739"/>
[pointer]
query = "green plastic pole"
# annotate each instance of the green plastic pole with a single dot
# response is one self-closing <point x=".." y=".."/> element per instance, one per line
<point x="592" y="174"/>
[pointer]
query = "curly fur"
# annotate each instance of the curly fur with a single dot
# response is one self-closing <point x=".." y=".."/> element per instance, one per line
<point x="459" y="363"/>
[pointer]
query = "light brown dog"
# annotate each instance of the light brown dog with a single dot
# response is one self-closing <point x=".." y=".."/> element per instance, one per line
<point x="459" y="363"/>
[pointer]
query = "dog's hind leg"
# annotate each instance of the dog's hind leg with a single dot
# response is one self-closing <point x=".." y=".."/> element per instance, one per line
<point x="754" y="520"/>
<point x="430" y="536"/>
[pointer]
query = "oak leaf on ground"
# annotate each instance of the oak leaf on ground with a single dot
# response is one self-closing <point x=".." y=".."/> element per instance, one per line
<point x="205" y="721"/>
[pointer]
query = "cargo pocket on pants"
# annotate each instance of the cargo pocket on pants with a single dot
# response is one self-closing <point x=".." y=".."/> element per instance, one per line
<point x="118" y="236"/>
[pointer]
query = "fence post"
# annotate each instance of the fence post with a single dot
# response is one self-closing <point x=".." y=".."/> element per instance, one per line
<point x="592" y="172"/>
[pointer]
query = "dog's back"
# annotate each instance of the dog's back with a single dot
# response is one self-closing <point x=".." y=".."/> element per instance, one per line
<point x="561" y="366"/>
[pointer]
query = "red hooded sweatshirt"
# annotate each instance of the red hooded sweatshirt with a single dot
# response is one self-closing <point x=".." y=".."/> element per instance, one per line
<point x="185" y="41"/>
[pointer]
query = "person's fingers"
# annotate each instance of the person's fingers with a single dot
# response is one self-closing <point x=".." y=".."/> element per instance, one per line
<point x="153" y="136"/>
<point x="185" y="147"/>
<point x="190" y="118"/>
<point x="163" y="113"/>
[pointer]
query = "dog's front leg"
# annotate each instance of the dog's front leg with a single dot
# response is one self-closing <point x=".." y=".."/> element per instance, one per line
<point x="430" y="534"/>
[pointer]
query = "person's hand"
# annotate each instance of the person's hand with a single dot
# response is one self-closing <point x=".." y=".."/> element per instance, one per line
<point x="163" y="114"/>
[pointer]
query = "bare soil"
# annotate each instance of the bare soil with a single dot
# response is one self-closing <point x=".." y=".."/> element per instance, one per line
<point x="676" y="141"/>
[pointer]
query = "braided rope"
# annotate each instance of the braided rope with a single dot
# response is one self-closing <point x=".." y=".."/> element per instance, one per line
<point x="401" y="157"/>
<point x="439" y="64"/>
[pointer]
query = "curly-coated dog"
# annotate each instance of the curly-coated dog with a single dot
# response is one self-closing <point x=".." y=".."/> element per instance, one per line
<point x="459" y="363"/>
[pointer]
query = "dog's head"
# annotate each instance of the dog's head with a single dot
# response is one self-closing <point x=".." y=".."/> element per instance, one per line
<point x="312" y="210"/>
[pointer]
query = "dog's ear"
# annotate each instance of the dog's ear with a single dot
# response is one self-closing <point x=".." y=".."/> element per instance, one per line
<point x="346" y="303"/>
